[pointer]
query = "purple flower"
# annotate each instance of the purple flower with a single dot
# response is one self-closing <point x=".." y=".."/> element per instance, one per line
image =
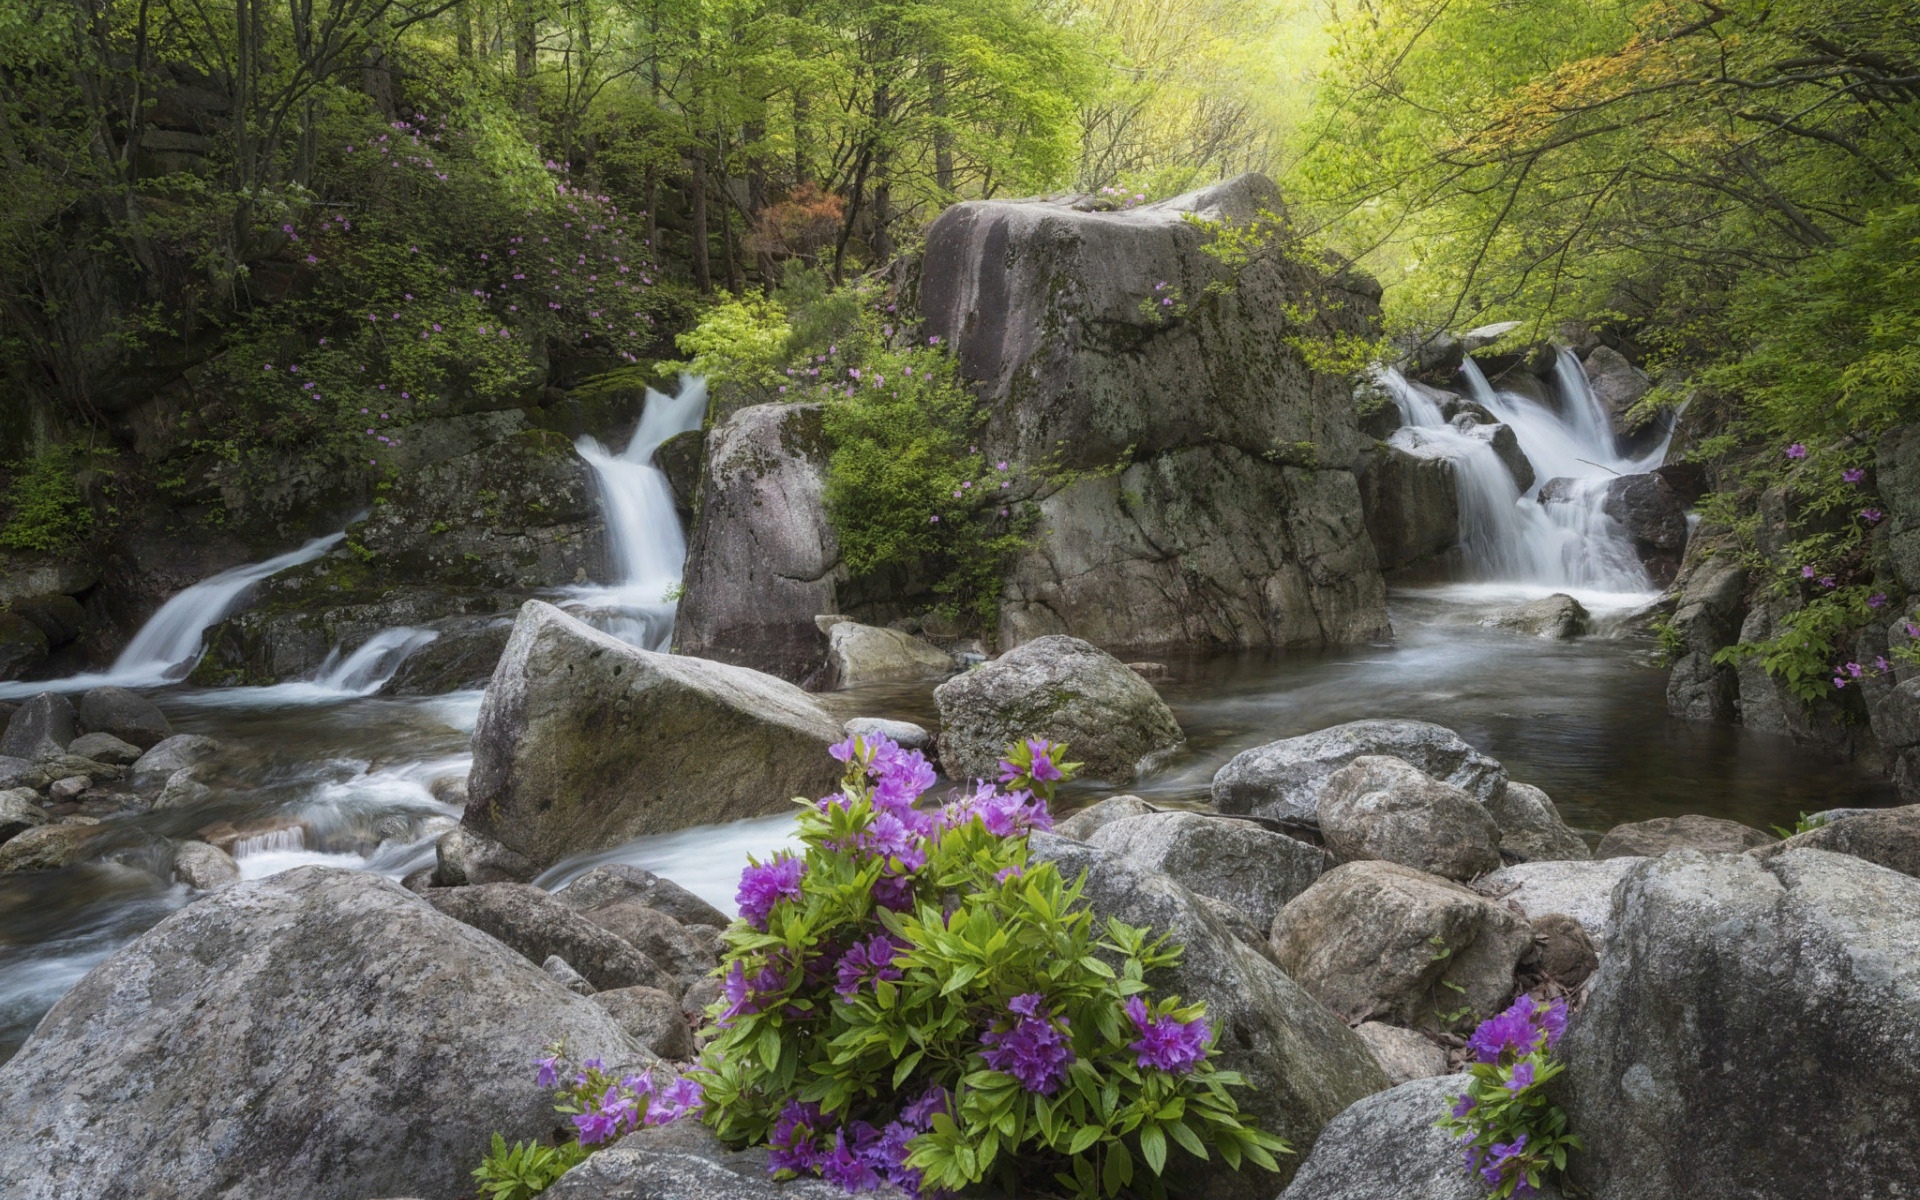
<point x="1807" y="572"/>
<point x="762" y="885"/>
<point x="905" y="775"/>
<point x="1034" y="1049"/>
<point x="1796" y="451"/>
<point x="1872" y="516"/>
<point x="846" y="1165"/>
<point x="595" y="1127"/>
<point x="791" y="1145"/>
<point x="1166" y="1044"/>
<point x="894" y="892"/>
<point x="1826" y="581"/>
<point x="1013" y="872"/>
<point x="897" y="842"/>
<point x="676" y="1100"/>
<point x="1877" y="600"/>
<point x="1522" y="1077"/>
<point x="1462" y="1105"/>
<point x="1512" y="1032"/>
<point x="549" y="1073"/>
<point x="1853" y="474"/>
<point x="868" y="960"/>
<point x="746" y="995"/>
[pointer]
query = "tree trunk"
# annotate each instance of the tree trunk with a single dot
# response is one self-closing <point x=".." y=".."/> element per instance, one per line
<point x="524" y="50"/>
<point x="942" y="138"/>
<point x="702" y="268"/>
<point x="881" y="242"/>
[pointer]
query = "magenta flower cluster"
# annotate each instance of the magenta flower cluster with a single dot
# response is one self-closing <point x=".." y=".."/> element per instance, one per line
<point x="1525" y="1027"/>
<point x="857" y="1157"/>
<point x="1034" y="1048"/>
<point x="1164" y="1043"/>
<point x="604" y="1110"/>
<point x="762" y="885"/>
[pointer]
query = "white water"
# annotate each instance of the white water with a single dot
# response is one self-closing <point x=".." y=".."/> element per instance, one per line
<point x="644" y="539"/>
<point x="361" y="673"/>
<point x="1506" y="535"/>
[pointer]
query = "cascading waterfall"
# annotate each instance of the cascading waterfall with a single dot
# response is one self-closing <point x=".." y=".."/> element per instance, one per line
<point x="1507" y="535"/>
<point x="647" y="547"/>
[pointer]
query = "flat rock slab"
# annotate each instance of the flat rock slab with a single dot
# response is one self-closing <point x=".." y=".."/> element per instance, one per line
<point x="1650" y="839"/>
<point x="1284" y="779"/>
<point x="1581" y="890"/>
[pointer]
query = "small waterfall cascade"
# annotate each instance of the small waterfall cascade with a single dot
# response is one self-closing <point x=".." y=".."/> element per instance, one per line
<point x="372" y="663"/>
<point x="646" y="545"/>
<point x="1507" y="535"/>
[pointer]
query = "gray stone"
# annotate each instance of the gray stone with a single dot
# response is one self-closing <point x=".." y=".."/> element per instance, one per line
<point x="1387" y="1147"/>
<point x="463" y="857"/>
<point x="762" y="558"/>
<point x="1531" y="828"/>
<point x="619" y="883"/>
<point x="1403" y="1054"/>
<point x="60" y="766"/>
<point x="561" y="972"/>
<point x="1649" y="510"/>
<point x="1889" y="837"/>
<point x="104" y="747"/>
<point x="1377" y="940"/>
<point x="41" y="729"/>
<point x="1557" y="618"/>
<point x="1062" y="689"/>
<point x="1412" y="505"/>
<point x="904" y="734"/>
<point x="319" y="1035"/>
<point x="695" y="1001"/>
<point x="1617" y="384"/>
<point x="20" y="773"/>
<point x="182" y="790"/>
<point x="1651" y="839"/>
<point x="1781" y="997"/>
<point x="1562" y="953"/>
<point x="204" y="868"/>
<point x="1380" y="807"/>
<point x="126" y="715"/>
<point x="23" y="645"/>
<point x="46" y="847"/>
<point x="656" y="935"/>
<point x="1301" y="1063"/>
<point x="537" y="925"/>
<point x="1707" y="620"/>
<point x="19" y="811"/>
<point x="1237" y="862"/>
<point x="1582" y="890"/>
<point x="652" y="1018"/>
<point x="1080" y="825"/>
<point x="1284" y="779"/>
<point x="1506" y="448"/>
<point x="157" y="765"/>
<point x="684" y="1161"/>
<point x="68" y="788"/>
<point x="863" y="654"/>
<point x="585" y="742"/>
<point x="1236" y="520"/>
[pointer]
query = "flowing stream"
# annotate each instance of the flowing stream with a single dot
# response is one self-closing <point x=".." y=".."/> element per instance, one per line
<point x="327" y="771"/>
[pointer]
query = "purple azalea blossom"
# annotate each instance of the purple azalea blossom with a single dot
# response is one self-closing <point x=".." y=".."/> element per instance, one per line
<point x="1013" y="872"/>
<point x="1166" y="1044"/>
<point x="1873" y="516"/>
<point x="1877" y="600"/>
<point x="868" y="960"/>
<point x="1462" y="1105"/>
<point x="1796" y="451"/>
<point x="894" y="892"/>
<point x="762" y="885"/>
<point x="1034" y="1049"/>
<point x="549" y="1073"/>
<point x="1512" y="1032"/>
<point x="1522" y="1077"/>
<point x="791" y="1146"/>
<point x="846" y="1165"/>
<point x="1853" y="474"/>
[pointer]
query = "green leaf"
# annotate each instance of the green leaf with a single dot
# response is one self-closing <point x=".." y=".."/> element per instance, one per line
<point x="1153" y="1147"/>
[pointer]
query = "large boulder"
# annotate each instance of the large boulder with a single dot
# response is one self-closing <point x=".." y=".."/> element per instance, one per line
<point x="652" y="1018"/>
<point x="1581" y="890"/>
<point x="619" y="883"/>
<point x="23" y="646"/>
<point x="584" y="742"/>
<point x="1654" y="516"/>
<point x="1284" y="779"/>
<point x="1234" y="518"/>
<point x="1617" y="384"/>
<point x="539" y="926"/>
<point x="462" y="856"/>
<point x="1402" y="1053"/>
<point x="658" y="936"/>
<point x="1556" y="618"/>
<point x="1379" y="940"/>
<point x="41" y="729"/>
<point x="762" y="559"/>
<point x="319" y="1035"/>
<point x="176" y="753"/>
<point x="1889" y="837"/>
<point x="1303" y="1064"/>
<point x="1082" y="824"/>
<point x="1779" y="998"/>
<point x="1713" y="587"/>
<point x="105" y="748"/>
<point x="1715" y="835"/>
<point x="46" y="847"/>
<point x="19" y="811"/>
<point x="1388" y="1146"/>
<point x="860" y="654"/>
<point x="1059" y="688"/>
<point x="126" y="715"/>
<point x="1531" y="828"/>
<point x="1380" y="807"/>
<point x="1253" y="869"/>
<point x="684" y="1161"/>
<point x="1412" y="505"/>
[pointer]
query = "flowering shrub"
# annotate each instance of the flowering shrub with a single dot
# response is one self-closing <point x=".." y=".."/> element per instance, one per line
<point x="912" y="1001"/>
<point x="1510" y="1132"/>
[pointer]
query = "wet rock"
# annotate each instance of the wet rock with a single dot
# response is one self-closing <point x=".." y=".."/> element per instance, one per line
<point x="695" y="1001"/>
<point x="1780" y="996"/>
<point x="1377" y="940"/>
<point x="41" y="729"/>
<point x="1617" y="384"/>
<point x="1889" y="837"/>
<point x="1558" y="617"/>
<point x="1380" y="807"/>
<point x="1081" y="825"/>
<point x="537" y="925"/>
<point x="62" y="766"/>
<point x="1062" y="689"/>
<point x="1582" y="890"/>
<point x="619" y="883"/>
<point x="1387" y="1146"/>
<point x="656" y="935"/>
<point x="1236" y="862"/>
<point x="1412" y="505"/>
<point x="684" y="1161"/>
<point x="20" y="773"/>
<point x="157" y="765"/>
<point x="905" y="734"/>
<point x="862" y="654"/>
<point x="1302" y="1064"/>
<point x="462" y="658"/>
<point x="1403" y="1054"/>
<point x="1654" y="516"/>
<point x="104" y="747"/>
<point x="652" y="1018"/>
<point x="1690" y="832"/>
<point x="126" y="715"/>
<point x="1531" y="828"/>
<point x="584" y="742"/>
<point x="1284" y="779"/>
<point x="47" y="847"/>
<point x="319" y="1035"/>
<point x="204" y="868"/>
<point x="23" y="646"/>
<point x="68" y="788"/>
<point x="1562" y="951"/>
<point x="1506" y="448"/>
<point x="59" y="617"/>
<point x="561" y="972"/>
<point x="19" y="811"/>
<point x="762" y="559"/>
<point x="1237" y="520"/>
<point x="183" y="790"/>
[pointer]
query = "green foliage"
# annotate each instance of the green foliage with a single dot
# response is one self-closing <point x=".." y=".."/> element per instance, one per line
<point x="1511" y="1133"/>
<point x="1801" y="824"/>
<point x="43" y="505"/>
<point x="742" y="341"/>
<point x="525" y="1169"/>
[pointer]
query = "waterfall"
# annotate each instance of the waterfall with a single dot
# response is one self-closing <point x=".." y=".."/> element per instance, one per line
<point x="645" y="543"/>
<point x="169" y="645"/>
<point x="1507" y="535"/>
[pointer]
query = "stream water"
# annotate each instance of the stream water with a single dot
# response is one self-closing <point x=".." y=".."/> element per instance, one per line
<point x="326" y="771"/>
